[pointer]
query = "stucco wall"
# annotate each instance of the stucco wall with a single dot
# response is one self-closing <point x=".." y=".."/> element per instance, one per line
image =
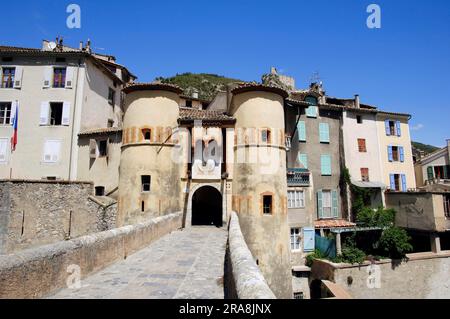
<point x="34" y="273"/>
<point x="424" y="276"/>
<point x="39" y="213"/>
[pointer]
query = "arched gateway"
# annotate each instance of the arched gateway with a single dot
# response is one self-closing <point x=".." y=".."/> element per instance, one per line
<point x="207" y="207"/>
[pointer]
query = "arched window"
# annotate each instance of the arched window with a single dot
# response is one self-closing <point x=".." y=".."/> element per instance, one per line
<point x="147" y="134"/>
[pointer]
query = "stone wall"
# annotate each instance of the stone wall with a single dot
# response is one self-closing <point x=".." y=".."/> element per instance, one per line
<point x="423" y="276"/>
<point x="35" y="273"/>
<point x="34" y="213"/>
<point x="243" y="278"/>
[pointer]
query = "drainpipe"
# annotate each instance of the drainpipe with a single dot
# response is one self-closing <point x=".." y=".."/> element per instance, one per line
<point x="73" y="121"/>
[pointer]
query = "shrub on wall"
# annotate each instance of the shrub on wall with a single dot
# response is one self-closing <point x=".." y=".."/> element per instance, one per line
<point x="395" y="242"/>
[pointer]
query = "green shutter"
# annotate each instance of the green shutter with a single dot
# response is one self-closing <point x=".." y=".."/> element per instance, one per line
<point x="325" y="163"/>
<point x="324" y="133"/>
<point x="303" y="159"/>
<point x="319" y="204"/>
<point x="430" y="173"/>
<point x="446" y="172"/>
<point x="335" y="203"/>
<point x="301" y="127"/>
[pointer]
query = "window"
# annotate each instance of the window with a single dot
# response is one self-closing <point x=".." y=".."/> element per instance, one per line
<point x="365" y="175"/>
<point x="56" y="113"/>
<point x="100" y="191"/>
<point x="447" y="205"/>
<point x="5" y="113"/>
<point x="301" y="127"/>
<point x="59" y="77"/>
<point x="110" y="123"/>
<point x="103" y="148"/>
<point x="362" y="145"/>
<point x="311" y="111"/>
<point x="393" y="128"/>
<point x="188" y="103"/>
<point x="52" y="150"/>
<point x="267" y="204"/>
<point x="4" y="143"/>
<point x="111" y="96"/>
<point x="147" y="134"/>
<point x="325" y="163"/>
<point x="296" y="199"/>
<point x="303" y="160"/>
<point x="398" y="182"/>
<point x="396" y="153"/>
<point x="324" y="133"/>
<point x="359" y="119"/>
<point x="298" y="295"/>
<point x="265" y="136"/>
<point x="8" y="75"/>
<point x="441" y="172"/>
<point x="295" y="238"/>
<point x="142" y="206"/>
<point x="146" y="181"/>
<point x="327" y="204"/>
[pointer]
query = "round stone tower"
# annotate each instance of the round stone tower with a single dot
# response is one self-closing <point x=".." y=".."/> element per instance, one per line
<point x="149" y="182"/>
<point x="260" y="182"/>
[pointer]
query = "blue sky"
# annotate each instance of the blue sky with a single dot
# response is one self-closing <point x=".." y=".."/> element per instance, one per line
<point x="402" y="67"/>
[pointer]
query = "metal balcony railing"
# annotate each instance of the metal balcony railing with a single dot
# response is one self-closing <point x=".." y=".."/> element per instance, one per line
<point x="298" y="177"/>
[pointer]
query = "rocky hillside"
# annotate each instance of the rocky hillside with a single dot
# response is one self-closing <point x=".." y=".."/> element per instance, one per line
<point x="207" y="85"/>
<point x="425" y="147"/>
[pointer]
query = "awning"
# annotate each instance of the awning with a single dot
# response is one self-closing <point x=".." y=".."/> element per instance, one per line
<point x="369" y="184"/>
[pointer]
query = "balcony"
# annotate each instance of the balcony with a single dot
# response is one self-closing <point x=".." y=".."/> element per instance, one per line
<point x="298" y="177"/>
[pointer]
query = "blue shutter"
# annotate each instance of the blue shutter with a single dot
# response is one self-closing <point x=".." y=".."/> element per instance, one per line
<point x="319" y="204"/>
<point x="309" y="235"/>
<point x="301" y="131"/>
<point x="388" y="129"/>
<point x="392" y="180"/>
<point x="303" y="159"/>
<point x="390" y="154"/>
<point x="398" y="128"/>
<point x="335" y="204"/>
<point x="404" y="183"/>
<point x="325" y="163"/>
<point x="324" y="132"/>
<point x="402" y="154"/>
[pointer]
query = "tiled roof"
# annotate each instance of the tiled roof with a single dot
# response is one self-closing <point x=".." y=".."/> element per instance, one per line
<point x="248" y="87"/>
<point x="333" y="223"/>
<point x="192" y="114"/>
<point x="101" y="131"/>
<point x="152" y="86"/>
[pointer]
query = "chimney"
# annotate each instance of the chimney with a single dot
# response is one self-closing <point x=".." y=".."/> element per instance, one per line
<point x="273" y="70"/>
<point x="448" y="148"/>
<point x="88" y="46"/>
<point x="81" y="45"/>
<point x="357" y="101"/>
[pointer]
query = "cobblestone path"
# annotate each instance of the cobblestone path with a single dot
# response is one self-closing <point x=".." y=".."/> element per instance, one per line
<point x="184" y="264"/>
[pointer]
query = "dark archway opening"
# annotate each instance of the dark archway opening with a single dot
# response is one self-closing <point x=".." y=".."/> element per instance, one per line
<point x="207" y="207"/>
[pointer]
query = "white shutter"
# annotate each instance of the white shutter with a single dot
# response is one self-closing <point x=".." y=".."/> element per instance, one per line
<point x="66" y="114"/>
<point x="69" y="77"/>
<point x="48" y="73"/>
<point x="56" y="151"/>
<point x="45" y="113"/>
<point x="47" y="152"/>
<point x="52" y="151"/>
<point x="18" y="77"/>
<point x="3" y="149"/>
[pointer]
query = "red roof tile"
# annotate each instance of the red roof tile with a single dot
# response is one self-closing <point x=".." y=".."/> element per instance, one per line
<point x="333" y="223"/>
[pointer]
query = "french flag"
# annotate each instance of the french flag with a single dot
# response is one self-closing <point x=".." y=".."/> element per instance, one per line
<point x="15" y="121"/>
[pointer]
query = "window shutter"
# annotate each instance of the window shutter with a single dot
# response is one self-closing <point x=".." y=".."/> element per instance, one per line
<point x="301" y="127"/>
<point x="309" y="236"/>
<point x="92" y="149"/>
<point x="66" y="114"/>
<point x="404" y="183"/>
<point x="324" y="133"/>
<point x="311" y="111"/>
<point x="3" y="150"/>
<point x="45" y="113"/>
<point x="398" y="128"/>
<point x="69" y="77"/>
<point x="446" y="171"/>
<point x="392" y="181"/>
<point x="48" y="73"/>
<point x="335" y="203"/>
<point x="56" y="151"/>
<point x="388" y="129"/>
<point x="303" y="159"/>
<point x="325" y="162"/>
<point x="47" y="152"/>
<point x="390" y="154"/>
<point x="402" y="154"/>
<point x="319" y="204"/>
<point x="18" y="77"/>
<point x="430" y="173"/>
